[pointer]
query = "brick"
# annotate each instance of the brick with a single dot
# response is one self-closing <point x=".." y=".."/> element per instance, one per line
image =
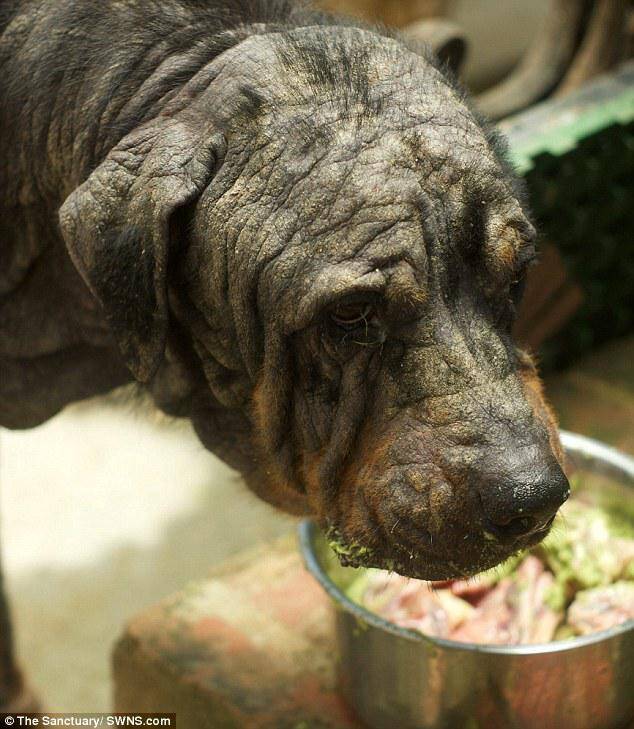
<point x="250" y="647"/>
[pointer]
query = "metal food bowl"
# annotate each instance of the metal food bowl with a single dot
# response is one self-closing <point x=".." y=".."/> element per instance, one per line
<point x="399" y="679"/>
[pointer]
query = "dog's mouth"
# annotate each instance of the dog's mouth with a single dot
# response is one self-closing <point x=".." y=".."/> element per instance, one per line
<point x="426" y="561"/>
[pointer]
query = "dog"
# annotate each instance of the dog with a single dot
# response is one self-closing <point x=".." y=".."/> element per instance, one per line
<point x="294" y="231"/>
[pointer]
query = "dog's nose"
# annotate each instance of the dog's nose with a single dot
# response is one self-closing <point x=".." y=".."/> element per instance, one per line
<point x="525" y="500"/>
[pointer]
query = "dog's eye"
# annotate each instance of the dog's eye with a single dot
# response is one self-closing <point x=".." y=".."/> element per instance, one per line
<point x="351" y="315"/>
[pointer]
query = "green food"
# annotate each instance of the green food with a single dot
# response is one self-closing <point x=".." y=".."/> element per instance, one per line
<point x="582" y="550"/>
<point x="345" y="549"/>
<point x="583" y="581"/>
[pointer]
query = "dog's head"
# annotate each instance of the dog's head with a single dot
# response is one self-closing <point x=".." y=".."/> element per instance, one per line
<point x="329" y="232"/>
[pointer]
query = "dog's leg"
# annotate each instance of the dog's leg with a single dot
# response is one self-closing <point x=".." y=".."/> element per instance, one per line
<point x="15" y="695"/>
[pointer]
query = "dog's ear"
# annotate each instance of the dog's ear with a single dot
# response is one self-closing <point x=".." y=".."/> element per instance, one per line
<point x="117" y="227"/>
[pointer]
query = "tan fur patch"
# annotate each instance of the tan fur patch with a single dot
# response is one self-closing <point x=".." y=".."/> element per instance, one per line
<point x="502" y="251"/>
<point x="534" y="389"/>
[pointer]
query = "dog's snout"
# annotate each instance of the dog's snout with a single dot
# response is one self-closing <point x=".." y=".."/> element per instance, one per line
<point x="524" y="500"/>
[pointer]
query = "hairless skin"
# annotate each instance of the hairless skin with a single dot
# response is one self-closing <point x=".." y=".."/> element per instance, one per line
<point x="294" y="232"/>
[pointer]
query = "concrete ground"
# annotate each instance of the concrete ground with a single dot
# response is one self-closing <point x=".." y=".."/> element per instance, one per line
<point x="106" y="509"/>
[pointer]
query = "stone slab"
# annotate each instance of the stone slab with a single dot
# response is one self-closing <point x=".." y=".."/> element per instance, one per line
<point x="596" y="397"/>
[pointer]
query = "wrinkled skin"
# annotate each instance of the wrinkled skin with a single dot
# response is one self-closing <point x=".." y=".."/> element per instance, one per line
<point x="300" y="238"/>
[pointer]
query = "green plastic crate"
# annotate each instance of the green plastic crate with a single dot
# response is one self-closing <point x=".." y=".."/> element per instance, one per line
<point x="577" y="155"/>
